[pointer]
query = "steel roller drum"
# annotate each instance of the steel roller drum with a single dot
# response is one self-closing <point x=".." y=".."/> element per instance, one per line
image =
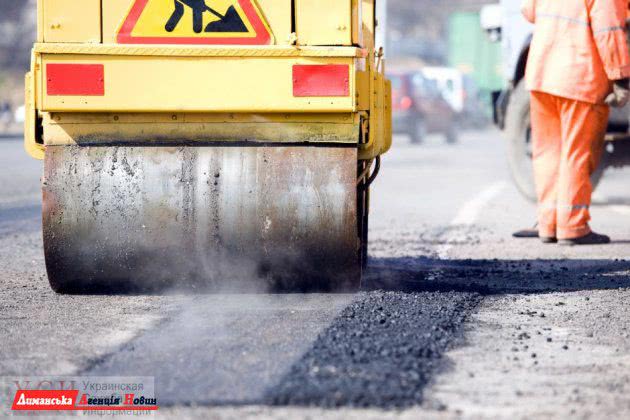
<point x="220" y="218"/>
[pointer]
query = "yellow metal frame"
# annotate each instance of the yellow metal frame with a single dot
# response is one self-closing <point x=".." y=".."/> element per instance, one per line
<point x="165" y="128"/>
<point x="199" y="50"/>
<point x="252" y="87"/>
<point x="232" y="79"/>
<point x="202" y="84"/>
<point x="71" y="21"/>
<point x="31" y="113"/>
<point x="323" y="22"/>
<point x="379" y="139"/>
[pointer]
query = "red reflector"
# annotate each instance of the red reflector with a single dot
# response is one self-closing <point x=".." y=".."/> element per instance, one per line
<point x="321" y="80"/>
<point x="75" y="79"/>
<point x="406" y="102"/>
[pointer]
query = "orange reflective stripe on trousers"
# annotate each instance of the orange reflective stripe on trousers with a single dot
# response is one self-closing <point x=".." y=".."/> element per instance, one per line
<point x="567" y="138"/>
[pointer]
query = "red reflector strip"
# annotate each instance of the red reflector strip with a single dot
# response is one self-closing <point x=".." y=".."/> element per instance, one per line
<point x="321" y="80"/>
<point x="75" y="79"/>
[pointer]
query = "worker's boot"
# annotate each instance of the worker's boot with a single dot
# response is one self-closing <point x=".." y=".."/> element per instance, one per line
<point x="533" y="233"/>
<point x="527" y="233"/>
<point x="590" y="239"/>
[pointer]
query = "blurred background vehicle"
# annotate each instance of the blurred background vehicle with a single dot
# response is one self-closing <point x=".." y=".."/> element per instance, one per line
<point x="450" y="81"/>
<point x="456" y="63"/>
<point x="461" y="92"/>
<point x="6" y="116"/>
<point x="20" y="114"/>
<point x="505" y="25"/>
<point x="420" y="108"/>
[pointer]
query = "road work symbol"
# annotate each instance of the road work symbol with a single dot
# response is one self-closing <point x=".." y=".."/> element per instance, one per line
<point x="214" y="22"/>
<point x="230" y="22"/>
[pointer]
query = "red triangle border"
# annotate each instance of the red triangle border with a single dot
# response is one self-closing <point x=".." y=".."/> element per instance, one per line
<point x="263" y="36"/>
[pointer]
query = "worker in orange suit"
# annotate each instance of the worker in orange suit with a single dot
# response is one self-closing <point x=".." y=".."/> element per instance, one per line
<point x="578" y="66"/>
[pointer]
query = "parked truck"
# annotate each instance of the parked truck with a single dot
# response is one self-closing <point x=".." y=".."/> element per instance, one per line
<point x="504" y="23"/>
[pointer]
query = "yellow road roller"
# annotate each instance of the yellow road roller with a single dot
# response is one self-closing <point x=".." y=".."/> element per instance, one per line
<point x="227" y="145"/>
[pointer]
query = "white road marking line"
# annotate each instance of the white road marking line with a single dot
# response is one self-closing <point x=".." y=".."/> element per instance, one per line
<point x="467" y="216"/>
<point x="599" y="201"/>
<point x="625" y="210"/>
<point x="20" y="199"/>
<point x="617" y="208"/>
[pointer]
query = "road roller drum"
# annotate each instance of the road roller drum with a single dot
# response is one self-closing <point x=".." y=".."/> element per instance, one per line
<point x="221" y="218"/>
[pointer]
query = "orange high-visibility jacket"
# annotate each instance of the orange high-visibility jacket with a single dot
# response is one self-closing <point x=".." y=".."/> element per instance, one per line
<point x="579" y="46"/>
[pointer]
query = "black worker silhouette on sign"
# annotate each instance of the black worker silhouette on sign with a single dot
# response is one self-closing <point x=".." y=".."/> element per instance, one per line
<point x="230" y="22"/>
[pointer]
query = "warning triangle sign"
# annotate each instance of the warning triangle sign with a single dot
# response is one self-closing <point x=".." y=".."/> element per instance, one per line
<point x="211" y="22"/>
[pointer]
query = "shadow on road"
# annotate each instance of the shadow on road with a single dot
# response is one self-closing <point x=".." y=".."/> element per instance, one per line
<point x="611" y="201"/>
<point x="381" y="351"/>
<point x="20" y="219"/>
<point x="12" y="136"/>
<point x="491" y="277"/>
<point x="424" y="302"/>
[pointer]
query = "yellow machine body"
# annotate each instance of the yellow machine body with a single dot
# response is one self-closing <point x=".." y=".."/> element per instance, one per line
<point x="200" y="79"/>
<point x="97" y="80"/>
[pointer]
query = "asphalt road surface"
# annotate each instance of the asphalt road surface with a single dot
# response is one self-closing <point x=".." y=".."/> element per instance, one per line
<point x="456" y="319"/>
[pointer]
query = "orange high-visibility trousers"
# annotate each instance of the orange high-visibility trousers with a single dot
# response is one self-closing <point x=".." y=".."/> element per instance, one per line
<point x="568" y="137"/>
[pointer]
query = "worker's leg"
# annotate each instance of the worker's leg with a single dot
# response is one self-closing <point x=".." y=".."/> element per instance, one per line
<point x="583" y="130"/>
<point x="546" y="141"/>
<point x="175" y="17"/>
<point x="597" y="147"/>
<point x="198" y="19"/>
